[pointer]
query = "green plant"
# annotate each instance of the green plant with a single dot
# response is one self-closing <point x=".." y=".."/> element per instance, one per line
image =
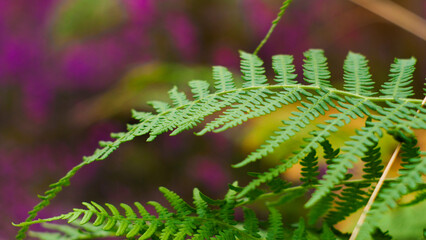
<point x="337" y="194"/>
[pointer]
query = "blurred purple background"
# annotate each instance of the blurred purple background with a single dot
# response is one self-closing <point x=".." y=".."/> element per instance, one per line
<point x="71" y="70"/>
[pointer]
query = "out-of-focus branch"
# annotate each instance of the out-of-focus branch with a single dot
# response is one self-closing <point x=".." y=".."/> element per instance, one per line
<point x="397" y="15"/>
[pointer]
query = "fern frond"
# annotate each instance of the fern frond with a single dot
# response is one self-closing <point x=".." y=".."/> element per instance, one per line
<point x="251" y="223"/>
<point x="300" y="233"/>
<point x="372" y="162"/>
<point x="354" y="195"/>
<point x="207" y="106"/>
<point x="227" y="209"/>
<point x="67" y="232"/>
<point x="201" y="223"/>
<point x="284" y="69"/>
<point x="379" y="235"/>
<point x="256" y="98"/>
<point x="289" y="196"/>
<point x="254" y="103"/>
<point x="355" y="148"/>
<point x="401" y="76"/>
<point x="315" y="68"/>
<point x="223" y="79"/>
<point x="181" y="207"/>
<point x="252" y="70"/>
<point x="278" y="184"/>
<point x="199" y="88"/>
<point x="327" y="234"/>
<point x="276" y="228"/>
<point x="324" y="205"/>
<point x="310" y="169"/>
<point x="349" y="200"/>
<point x="357" y="76"/>
<point x="201" y="205"/>
<point x="410" y="177"/>
<point x="311" y="110"/>
<point x="329" y="152"/>
<point x="178" y="98"/>
<point x="355" y="109"/>
<point x="421" y="196"/>
<point x="159" y="106"/>
<point x="320" y="208"/>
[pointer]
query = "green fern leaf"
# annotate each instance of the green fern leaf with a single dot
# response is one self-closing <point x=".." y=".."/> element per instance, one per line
<point x="289" y="196"/>
<point x="355" y="109"/>
<point x="329" y="153"/>
<point x="206" y="107"/>
<point x="357" y="76"/>
<point x="255" y="104"/>
<point x="410" y="177"/>
<point x="421" y="196"/>
<point x="178" y="98"/>
<point x="157" y="105"/>
<point x="355" y="148"/>
<point x="199" y="88"/>
<point x="256" y="98"/>
<point x="349" y="200"/>
<point x="276" y="228"/>
<point x="379" y="235"/>
<point x="373" y="163"/>
<point x="327" y="234"/>
<point x="239" y="112"/>
<point x="300" y="232"/>
<point x="223" y="79"/>
<point x="310" y="169"/>
<point x="401" y="75"/>
<point x="67" y="232"/>
<point x="315" y="68"/>
<point x="317" y="106"/>
<point x="251" y="223"/>
<point x="182" y="208"/>
<point x="321" y="208"/>
<point x="252" y="70"/>
<point x="284" y="69"/>
<point x="201" y="205"/>
<point x="278" y="184"/>
<point x="226" y="211"/>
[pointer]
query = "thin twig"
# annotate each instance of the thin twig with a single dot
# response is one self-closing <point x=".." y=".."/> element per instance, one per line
<point x="374" y="195"/>
<point x="377" y="188"/>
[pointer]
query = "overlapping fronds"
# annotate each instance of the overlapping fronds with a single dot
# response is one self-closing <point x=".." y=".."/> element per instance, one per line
<point x="413" y="168"/>
<point x="349" y="200"/>
<point x="357" y="147"/>
<point x="234" y="103"/>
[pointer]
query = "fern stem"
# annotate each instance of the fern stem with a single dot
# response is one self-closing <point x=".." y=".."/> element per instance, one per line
<point x="288" y="86"/>
<point x="377" y="189"/>
<point x="313" y="87"/>
<point x="274" y="24"/>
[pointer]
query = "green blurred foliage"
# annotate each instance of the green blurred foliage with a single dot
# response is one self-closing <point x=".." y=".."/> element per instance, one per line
<point x="81" y="19"/>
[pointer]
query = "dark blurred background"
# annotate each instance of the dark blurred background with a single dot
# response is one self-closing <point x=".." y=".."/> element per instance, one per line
<point x="71" y="70"/>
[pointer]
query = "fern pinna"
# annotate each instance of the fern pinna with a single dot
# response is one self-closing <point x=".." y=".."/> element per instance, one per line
<point x="336" y="194"/>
